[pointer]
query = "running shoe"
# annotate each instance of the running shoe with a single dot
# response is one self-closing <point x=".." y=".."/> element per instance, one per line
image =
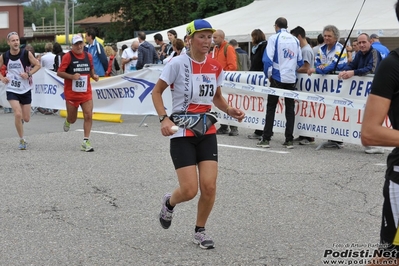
<point x="263" y="144"/>
<point x="374" y="150"/>
<point x="222" y="130"/>
<point x="334" y="144"/>
<point x="67" y="125"/>
<point x="307" y="141"/>
<point x="203" y="240"/>
<point x="86" y="146"/>
<point x="22" y="144"/>
<point x="289" y="144"/>
<point x="254" y="136"/>
<point x="233" y="131"/>
<point x="166" y="215"/>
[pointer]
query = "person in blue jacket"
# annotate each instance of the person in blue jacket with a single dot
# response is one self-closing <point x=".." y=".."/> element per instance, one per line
<point x="96" y="50"/>
<point x="366" y="62"/>
<point x="375" y="42"/>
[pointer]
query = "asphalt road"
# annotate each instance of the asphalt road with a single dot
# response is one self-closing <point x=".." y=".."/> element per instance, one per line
<point x="61" y="206"/>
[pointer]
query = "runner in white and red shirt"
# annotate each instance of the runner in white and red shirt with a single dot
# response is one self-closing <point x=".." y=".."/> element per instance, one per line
<point x="195" y="82"/>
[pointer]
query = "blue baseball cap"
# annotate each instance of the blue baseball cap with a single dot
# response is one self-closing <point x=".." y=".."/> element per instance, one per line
<point x="198" y="25"/>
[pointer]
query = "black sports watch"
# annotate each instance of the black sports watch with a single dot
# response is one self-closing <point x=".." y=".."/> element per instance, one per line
<point x="162" y="118"/>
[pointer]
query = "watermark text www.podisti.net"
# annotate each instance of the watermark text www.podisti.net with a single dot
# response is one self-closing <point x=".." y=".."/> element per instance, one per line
<point x="359" y="254"/>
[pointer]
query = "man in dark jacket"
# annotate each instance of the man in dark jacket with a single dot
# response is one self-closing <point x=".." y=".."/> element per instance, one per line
<point x="366" y="62"/>
<point x="258" y="48"/>
<point x="146" y="52"/>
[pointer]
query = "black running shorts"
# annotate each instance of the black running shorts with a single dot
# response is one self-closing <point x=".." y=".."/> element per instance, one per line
<point x="23" y="99"/>
<point x="186" y="151"/>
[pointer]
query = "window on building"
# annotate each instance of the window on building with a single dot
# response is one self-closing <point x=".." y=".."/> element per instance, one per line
<point x="4" y="20"/>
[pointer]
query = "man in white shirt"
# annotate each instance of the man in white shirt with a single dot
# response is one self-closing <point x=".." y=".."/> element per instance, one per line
<point x="130" y="56"/>
<point x="47" y="60"/>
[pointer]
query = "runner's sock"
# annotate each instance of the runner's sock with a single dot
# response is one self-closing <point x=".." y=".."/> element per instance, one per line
<point x="170" y="207"/>
<point x="197" y="228"/>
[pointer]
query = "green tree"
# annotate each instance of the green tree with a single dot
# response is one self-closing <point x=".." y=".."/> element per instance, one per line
<point x="153" y="15"/>
<point x="38" y="9"/>
<point x="130" y="15"/>
<point x="34" y="12"/>
<point x="207" y="8"/>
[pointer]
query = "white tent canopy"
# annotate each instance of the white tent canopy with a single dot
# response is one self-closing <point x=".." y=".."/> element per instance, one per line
<point x="377" y="16"/>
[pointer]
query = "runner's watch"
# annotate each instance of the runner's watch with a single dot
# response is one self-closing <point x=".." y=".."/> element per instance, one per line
<point x="162" y="117"/>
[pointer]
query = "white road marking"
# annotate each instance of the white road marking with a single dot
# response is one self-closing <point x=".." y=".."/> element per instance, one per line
<point x="381" y="164"/>
<point x="128" y="135"/>
<point x="109" y="133"/>
<point x="252" y="149"/>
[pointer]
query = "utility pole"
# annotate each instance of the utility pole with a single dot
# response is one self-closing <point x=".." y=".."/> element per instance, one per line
<point x="43" y="24"/>
<point x="55" y="21"/>
<point x="66" y="23"/>
<point x="73" y="17"/>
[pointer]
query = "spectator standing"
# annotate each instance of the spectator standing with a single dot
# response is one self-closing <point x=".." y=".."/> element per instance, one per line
<point x="123" y="48"/>
<point x="383" y="102"/>
<point x="375" y="42"/>
<point x="112" y="63"/>
<point x="225" y="54"/>
<point x="146" y="52"/>
<point x="3" y="71"/>
<point x="96" y="50"/>
<point x="308" y="62"/>
<point x="186" y="43"/>
<point x="118" y="60"/>
<point x="258" y="48"/>
<point x="320" y="42"/>
<point x="243" y="56"/>
<point x="178" y="47"/>
<point x="129" y="57"/>
<point x="280" y="67"/>
<point x="18" y="81"/>
<point x="355" y="49"/>
<point x="31" y="49"/>
<point x="59" y="53"/>
<point x="328" y="59"/>
<point x="47" y="60"/>
<point x="162" y="52"/>
<point x="194" y="157"/>
<point x="328" y="54"/>
<point x="366" y="62"/>
<point x="172" y="35"/>
<point x="76" y="69"/>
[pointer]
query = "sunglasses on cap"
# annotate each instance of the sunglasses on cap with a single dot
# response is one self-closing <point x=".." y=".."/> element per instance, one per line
<point x="11" y="34"/>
